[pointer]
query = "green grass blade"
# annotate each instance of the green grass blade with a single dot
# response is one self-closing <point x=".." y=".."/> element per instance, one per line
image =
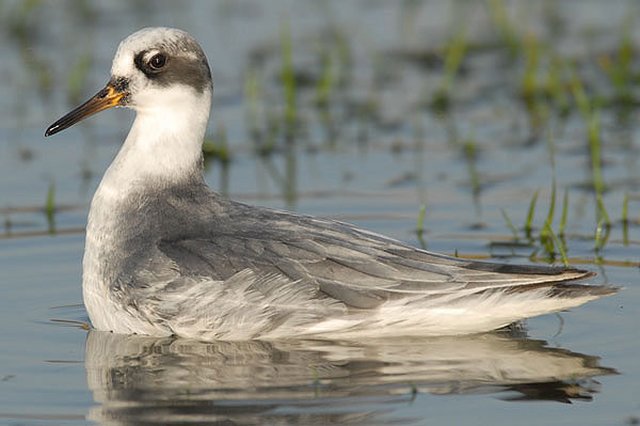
<point x="552" y="203"/>
<point x="580" y="96"/>
<point x="595" y="151"/>
<point x="528" y="225"/>
<point x="601" y="235"/>
<point x="326" y="82"/>
<point x="602" y="213"/>
<point x="420" y="225"/>
<point x="421" y="216"/>
<point x="559" y="246"/>
<point x="510" y="224"/>
<point x="562" y="226"/>
<point x="288" y="79"/>
<point x="50" y="207"/>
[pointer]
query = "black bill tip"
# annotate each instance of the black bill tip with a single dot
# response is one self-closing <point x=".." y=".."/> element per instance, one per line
<point x="108" y="97"/>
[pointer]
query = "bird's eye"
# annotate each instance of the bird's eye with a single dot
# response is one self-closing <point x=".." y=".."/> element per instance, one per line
<point x="157" y="61"/>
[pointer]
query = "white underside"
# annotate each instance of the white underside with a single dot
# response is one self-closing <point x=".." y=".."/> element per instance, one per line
<point x="472" y="315"/>
<point x="203" y="312"/>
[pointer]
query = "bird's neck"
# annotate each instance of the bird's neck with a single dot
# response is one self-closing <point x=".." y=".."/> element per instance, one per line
<point x="163" y="148"/>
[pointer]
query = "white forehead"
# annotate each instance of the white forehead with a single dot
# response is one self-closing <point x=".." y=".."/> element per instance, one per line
<point x="149" y="39"/>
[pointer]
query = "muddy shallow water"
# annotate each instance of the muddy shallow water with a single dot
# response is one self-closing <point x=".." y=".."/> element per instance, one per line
<point x="372" y="144"/>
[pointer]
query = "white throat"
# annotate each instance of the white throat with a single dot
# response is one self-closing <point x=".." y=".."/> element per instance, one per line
<point x="164" y="144"/>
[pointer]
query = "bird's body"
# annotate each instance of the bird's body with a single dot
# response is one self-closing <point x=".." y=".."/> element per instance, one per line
<point x="166" y="255"/>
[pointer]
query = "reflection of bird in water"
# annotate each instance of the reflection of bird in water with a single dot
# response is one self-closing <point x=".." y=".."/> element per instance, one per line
<point x="167" y="256"/>
<point x="135" y="378"/>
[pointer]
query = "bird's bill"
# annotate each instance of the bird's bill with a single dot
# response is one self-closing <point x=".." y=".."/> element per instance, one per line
<point x="108" y="97"/>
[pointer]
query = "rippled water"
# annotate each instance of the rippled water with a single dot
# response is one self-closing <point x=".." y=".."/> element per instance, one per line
<point x="374" y="156"/>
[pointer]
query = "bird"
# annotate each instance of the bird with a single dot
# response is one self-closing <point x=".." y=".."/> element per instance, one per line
<point x="165" y="255"/>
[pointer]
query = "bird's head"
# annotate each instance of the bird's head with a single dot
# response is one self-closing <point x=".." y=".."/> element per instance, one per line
<point x="153" y="69"/>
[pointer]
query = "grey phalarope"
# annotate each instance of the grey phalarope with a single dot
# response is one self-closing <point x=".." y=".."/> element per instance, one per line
<point x="165" y="255"/>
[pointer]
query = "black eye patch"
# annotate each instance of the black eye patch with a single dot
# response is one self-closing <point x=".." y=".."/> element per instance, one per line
<point x="153" y="66"/>
<point x="166" y="70"/>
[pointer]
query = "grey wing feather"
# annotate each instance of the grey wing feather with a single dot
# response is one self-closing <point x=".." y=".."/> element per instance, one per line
<point x="352" y="266"/>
